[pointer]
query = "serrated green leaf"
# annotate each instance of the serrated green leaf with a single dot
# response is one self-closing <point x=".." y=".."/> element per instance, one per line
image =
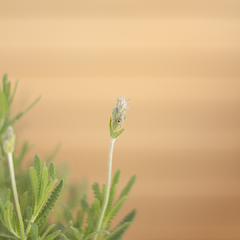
<point x="51" y="169"/>
<point x="48" y="230"/>
<point x="3" y="109"/>
<point x="96" y="205"/>
<point x="5" y="235"/>
<point x="12" y="121"/>
<point x="42" y="226"/>
<point x="34" y="182"/>
<point x="2" y="206"/>
<point x="91" y="220"/>
<point x="14" y="92"/>
<point x="111" y="195"/>
<point x="37" y="167"/>
<point x="118" y="232"/>
<point x="84" y="205"/>
<point x="67" y="213"/>
<point x="53" y="235"/>
<point x="128" y="187"/>
<point x="34" y="231"/>
<point x="6" y="86"/>
<point x="63" y="236"/>
<point x="76" y="233"/>
<point x="8" y="217"/>
<point x="95" y="233"/>
<point x="129" y="217"/>
<point x="97" y="192"/>
<point x="113" y="211"/>
<point x="28" y="213"/>
<point x="8" y="195"/>
<point x="44" y="181"/>
<point x="80" y="218"/>
<point x="6" y="230"/>
<point x="103" y="192"/>
<point x="51" y="202"/>
<point x="23" y="202"/>
<point x="14" y="222"/>
<point x="116" y="177"/>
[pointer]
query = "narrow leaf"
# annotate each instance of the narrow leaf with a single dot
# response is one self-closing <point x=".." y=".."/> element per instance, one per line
<point x="67" y="213"/>
<point x="53" y="235"/>
<point x="14" y="92"/>
<point x="51" y="169"/>
<point x="3" y="109"/>
<point x="37" y="167"/>
<point x="114" y="211"/>
<point x="118" y="232"/>
<point x="95" y="233"/>
<point x="75" y="232"/>
<point x="97" y="192"/>
<point x="23" y="202"/>
<point x="34" y="231"/>
<point x="48" y="230"/>
<point x="8" y="195"/>
<point x="51" y="202"/>
<point x="128" y="187"/>
<point x="34" y="182"/>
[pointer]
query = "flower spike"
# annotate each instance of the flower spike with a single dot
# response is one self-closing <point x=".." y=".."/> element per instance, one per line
<point x="118" y="117"/>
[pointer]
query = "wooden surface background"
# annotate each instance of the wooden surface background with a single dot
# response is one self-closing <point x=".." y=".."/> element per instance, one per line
<point x="178" y="62"/>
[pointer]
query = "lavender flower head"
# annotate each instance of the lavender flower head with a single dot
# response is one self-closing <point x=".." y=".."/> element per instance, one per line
<point x="8" y="140"/>
<point x="118" y="115"/>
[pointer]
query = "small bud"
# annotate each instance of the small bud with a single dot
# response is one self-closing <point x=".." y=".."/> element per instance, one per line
<point x="8" y="140"/>
<point x="118" y="117"/>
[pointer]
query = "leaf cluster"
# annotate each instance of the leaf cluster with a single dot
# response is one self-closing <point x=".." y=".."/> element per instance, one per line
<point x="38" y="194"/>
<point x="35" y="216"/>
<point x="77" y="230"/>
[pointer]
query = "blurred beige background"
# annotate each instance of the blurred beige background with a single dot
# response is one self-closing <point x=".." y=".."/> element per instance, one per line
<point x="178" y="62"/>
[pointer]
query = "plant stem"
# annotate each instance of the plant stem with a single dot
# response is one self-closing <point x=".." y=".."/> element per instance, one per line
<point x="106" y="197"/>
<point x="15" y="194"/>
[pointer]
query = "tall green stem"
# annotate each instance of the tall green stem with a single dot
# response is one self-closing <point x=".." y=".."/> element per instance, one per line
<point x="15" y="194"/>
<point x="106" y="197"/>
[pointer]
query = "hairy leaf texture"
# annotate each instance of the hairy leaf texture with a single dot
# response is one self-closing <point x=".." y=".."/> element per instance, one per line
<point x="129" y="217"/>
<point x="84" y="204"/>
<point x="23" y="202"/>
<point x="80" y="218"/>
<point x="28" y="213"/>
<point x="67" y="213"/>
<point x="128" y="187"/>
<point x="34" y="182"/>
<point x="37" y="167"/>
<point x="53" y="235"/>
<point x="97" y="192"/>
<point x="113" y="211"/>
<point x="8" y="216"/>
<point x="44" y="181"/>
<point x="2" y="206"/>
<point x="76" y="233"/>
<point x="51" y="169"/>
<point x="51" y="202"/>
<point x="8" y="195"/>
<point x="34" y="231"/>
<point x="118" y="232"/>
<point x="95" y="233"/>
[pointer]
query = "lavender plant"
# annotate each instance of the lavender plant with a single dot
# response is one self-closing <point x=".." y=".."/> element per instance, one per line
<point x="35" y="196"/>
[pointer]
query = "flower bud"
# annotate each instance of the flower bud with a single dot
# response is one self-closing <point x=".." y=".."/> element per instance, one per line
<point x="118" y="117"/>
<point x="8" y="140"/>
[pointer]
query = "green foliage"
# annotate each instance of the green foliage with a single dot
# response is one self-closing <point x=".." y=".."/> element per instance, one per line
<point x="97" y="192"/>
<point x="23" y="202"/>
<point x="128" y="187"/>
<point x="39" y="194"/>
